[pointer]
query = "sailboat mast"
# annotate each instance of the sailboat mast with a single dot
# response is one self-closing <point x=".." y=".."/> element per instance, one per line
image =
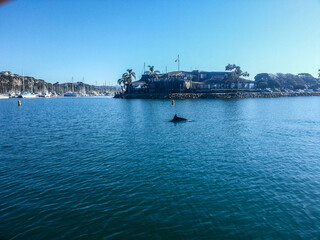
<point x="22" y="81"/>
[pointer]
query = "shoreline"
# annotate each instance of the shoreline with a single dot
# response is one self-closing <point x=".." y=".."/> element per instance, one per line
<point x="232" y="95"/>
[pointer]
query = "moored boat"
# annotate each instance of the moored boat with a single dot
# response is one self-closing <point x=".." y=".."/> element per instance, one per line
<point x="70" y="94"/>
<point x="27" y="95"/>
<point x="2" y="96"/>
<point x="45" y="95"/>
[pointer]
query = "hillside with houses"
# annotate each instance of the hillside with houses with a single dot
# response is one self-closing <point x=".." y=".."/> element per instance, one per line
<point x="15" y="84"/>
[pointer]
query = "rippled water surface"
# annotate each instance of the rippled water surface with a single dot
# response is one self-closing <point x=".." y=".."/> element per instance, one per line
<point x="101" y="168"/>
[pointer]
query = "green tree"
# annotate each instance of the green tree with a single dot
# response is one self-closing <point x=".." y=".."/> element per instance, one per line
<point x="235" y="73"/>
<point x="126" y="79"/>
<point x="265" y="80"/>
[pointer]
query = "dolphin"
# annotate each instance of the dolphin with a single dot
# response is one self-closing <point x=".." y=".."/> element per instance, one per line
<point x="178" y="119"/>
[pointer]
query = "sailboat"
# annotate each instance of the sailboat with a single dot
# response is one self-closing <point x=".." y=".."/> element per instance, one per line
<point x="71" y="93"/>
<point x="25" y="94"/>
<point x="44" y="93"/>
<point x="82" y="91"/>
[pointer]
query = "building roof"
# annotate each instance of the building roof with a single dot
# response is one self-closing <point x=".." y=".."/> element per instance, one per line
<point x="138" y="82"/>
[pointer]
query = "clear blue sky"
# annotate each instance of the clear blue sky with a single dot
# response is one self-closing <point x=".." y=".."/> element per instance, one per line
<point x="99" y="39"/>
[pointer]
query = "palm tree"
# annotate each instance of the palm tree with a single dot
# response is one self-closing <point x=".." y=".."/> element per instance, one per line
<point x="153" y="73"/>
<point x="126" y="79"/>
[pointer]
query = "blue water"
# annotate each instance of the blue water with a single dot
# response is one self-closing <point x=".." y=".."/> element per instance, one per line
<point x="101" y="168"/>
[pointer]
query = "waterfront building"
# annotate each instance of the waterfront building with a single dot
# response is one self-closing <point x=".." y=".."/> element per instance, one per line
<point x="194" y="81"/>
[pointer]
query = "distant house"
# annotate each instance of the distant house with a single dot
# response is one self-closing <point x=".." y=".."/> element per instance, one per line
<point x="5" y="73"/>
<point x="194" y="81"/>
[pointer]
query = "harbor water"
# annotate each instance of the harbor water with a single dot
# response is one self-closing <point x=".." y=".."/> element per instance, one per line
<point x="103" y="168"/>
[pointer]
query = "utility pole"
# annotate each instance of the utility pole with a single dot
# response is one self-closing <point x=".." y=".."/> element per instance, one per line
<point x="144" y="68"/>
<point x="178" y="63"/>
